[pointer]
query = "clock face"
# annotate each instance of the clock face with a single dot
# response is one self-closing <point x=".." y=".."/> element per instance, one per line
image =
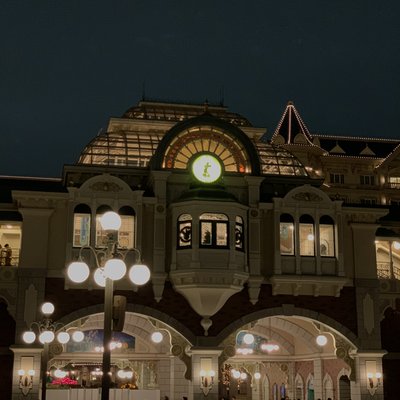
<point x="206" y="168"/>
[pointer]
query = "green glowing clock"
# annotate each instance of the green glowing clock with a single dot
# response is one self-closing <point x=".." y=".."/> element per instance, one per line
<point x="206" y="168"/>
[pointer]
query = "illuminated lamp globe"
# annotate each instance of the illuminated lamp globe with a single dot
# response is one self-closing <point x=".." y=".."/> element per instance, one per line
<point x="157" y="337"/>
<point x="78" y="336"/>
<point x="310" y="237"/>
<point x="21" y="372"/>
<point x="248" y="338"/>
<point x="121" y="374"/>
<point x="128" y="374"/>
<point x="257" y="375"/>
<point x="31" y="372"/>
<point x="46" y="337"/>
<point x="58" y="373"/>
<point x="396" y="245"/>
<point x="99" y="277"/>
<point x="202" y="373"/>
<point x="378" y="375"/>
<point x="139" y="274"/>
<point x="63" y="337"/>
<point x="321" y="340"/>
<point x="47" y="308"/>
<point x="114" y="269"/>
<point x="212" y="373"/>
<point x="78" y="271"/>
<point x="236" y="374"/>
<point x="29" y="337"/>
<point x="243" y="376"/>
<point x="110" y="221"/>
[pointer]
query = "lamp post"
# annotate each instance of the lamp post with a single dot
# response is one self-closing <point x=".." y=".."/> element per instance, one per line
<point x="110" y="267"/>
<point x="46" y="330"/>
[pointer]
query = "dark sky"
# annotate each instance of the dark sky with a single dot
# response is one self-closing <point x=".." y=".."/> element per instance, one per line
<point x="67" y="66"/>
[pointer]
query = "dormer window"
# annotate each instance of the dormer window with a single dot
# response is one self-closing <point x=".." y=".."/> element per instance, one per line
<point x="214" y="230"/>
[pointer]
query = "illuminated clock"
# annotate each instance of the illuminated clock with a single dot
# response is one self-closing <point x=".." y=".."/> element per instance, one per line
<point x="206" y="168"/>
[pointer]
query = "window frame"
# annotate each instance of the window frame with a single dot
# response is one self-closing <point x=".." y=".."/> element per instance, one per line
<point x="214" y="225"/>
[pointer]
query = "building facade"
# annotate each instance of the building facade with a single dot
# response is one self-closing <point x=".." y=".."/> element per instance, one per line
<point x="275" y="259"/>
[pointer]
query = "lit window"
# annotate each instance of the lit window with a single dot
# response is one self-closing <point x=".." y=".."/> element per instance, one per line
<point x="101" y="235"/>
<point x="287" y="234"/>
<point x="82" y="215"/>
<point x="306" y="236"/>
<point x="394" y="182"/>
<point x="185" y="231"/>
<point x="126" y="232"/>
<point x="10" y="239"/>
<point x="213" y="230"/>
<point x="239" y="234"/>
<point x="326" y="237"/>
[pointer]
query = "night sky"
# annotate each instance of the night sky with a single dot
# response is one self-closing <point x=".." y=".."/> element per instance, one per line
<point x="67" y="66"/>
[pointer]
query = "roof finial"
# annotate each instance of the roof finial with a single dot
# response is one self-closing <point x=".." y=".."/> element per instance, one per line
<point x="290" y="103"/>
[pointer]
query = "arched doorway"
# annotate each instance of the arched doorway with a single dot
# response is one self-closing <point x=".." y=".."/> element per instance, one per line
<point x="285" y="350"/>
<point x="344" y="388"/>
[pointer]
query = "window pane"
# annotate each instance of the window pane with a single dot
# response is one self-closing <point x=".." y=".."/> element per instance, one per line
<point x="125" y="234"/>
<point x="287" y="238"/>
<point x="101" y="236"/>
<point x="81" y="230"/>
<point x="327" y="241"/>
<point x="239" y="236"/>
<point x="214" y="216"/>
<point x="206" y="235"/>
<point x="306" y="239"/>
<point x="222" y="234"/>
<point x="185" y="234"/>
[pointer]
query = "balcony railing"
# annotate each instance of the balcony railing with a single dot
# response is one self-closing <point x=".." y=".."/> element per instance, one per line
<point x="383" y="271"/>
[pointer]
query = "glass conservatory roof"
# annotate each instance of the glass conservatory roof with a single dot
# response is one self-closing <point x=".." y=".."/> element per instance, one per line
<point x="135" y="149"/>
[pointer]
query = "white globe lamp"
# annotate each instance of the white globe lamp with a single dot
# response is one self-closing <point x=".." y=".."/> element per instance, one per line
<point x="139" y="274"/>
<point x="46" y="337"/>
<point x="78" y="271"/>
<point x="78" y="336"/>
<point x="29" y="337"/>
<point x="110" y="221"/>
<point x="157" y="337"/>
<point x="248" y="338"/>
<point x="63" y="337"/>
<point x="114" y="269"/>
<point x="47" y="308"/>
<point x="99" y="277"/>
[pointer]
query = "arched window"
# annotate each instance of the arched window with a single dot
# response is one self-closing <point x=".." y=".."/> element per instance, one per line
<point x="306" y="236"/>
<point x="184" y="231"/>
<point x="326" y="236"/>
<point x="214" y="230"/>
<point x="126" y="237"/>
<point x="239" y="234"/>
<point x="101" y="236"/>
<point x="82" y="216"/>
<point x="286" y="234"/>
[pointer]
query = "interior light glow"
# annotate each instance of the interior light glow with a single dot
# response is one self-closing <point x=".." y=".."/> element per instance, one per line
<point x="248" y="338"/>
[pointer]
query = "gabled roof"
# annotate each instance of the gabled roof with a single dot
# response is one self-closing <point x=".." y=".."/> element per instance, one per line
<point x="352" y="146"/>
<point x="291" y="129"/>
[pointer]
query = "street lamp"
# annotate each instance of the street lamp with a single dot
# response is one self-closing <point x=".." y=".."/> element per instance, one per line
<point x="110" y="263"/>
<point x="46" y="333"/>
